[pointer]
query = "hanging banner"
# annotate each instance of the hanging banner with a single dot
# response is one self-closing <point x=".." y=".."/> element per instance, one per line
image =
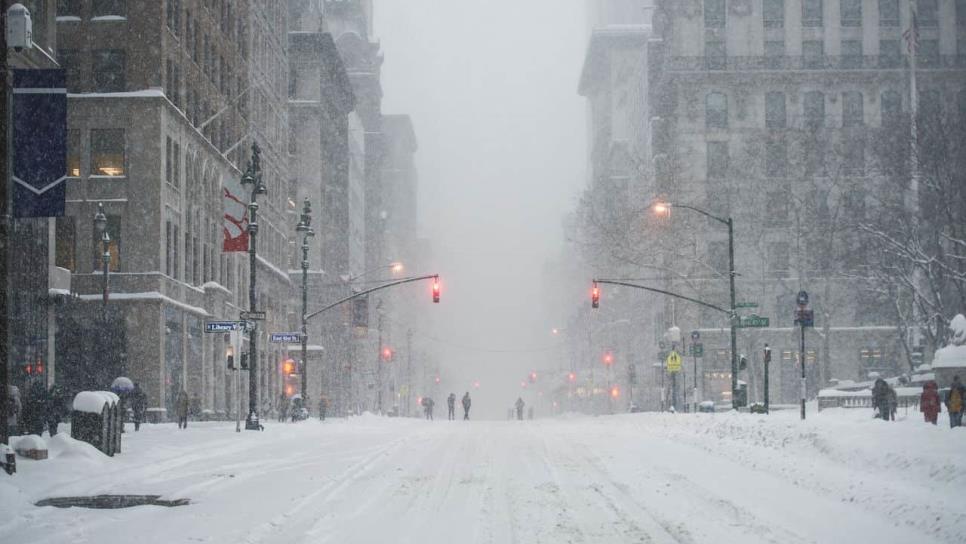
<point x="236" y="215"/>
<point x="39" y="143"/>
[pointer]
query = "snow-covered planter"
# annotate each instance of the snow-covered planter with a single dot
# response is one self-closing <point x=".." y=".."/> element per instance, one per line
<point x="96" y="419"/>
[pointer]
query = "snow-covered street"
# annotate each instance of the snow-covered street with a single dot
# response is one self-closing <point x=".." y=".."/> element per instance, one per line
<point x="632" y="478"/>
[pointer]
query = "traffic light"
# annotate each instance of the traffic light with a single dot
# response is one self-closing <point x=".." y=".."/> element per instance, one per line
<point x="387" y="354"/>
<point x="533" y="377"/>
<point x="436" y="290"/>
<point x="767" y="354"/>
<point x="244" y="361"/>
<point x="595" y="296"/>
<point x="608" y="358"/>
<point x="742" y="362"/>
<point x="615" y="392"/>
<point x="572" y="377"/>
<point x="360" y="312"/>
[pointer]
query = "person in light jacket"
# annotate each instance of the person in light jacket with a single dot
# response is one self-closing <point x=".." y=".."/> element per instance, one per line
<point x="182" y="408"/>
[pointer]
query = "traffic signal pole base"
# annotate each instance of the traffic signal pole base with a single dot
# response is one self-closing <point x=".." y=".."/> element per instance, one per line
<point x="251" y="422"/>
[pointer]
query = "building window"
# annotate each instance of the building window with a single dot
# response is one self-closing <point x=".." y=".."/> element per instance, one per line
<point x="778" y="259"/>
<point x="930" y="104"/>
<point x="773" y="12"/>
<point x="775" y="110"/>
<point x="928" y="13"/>
<point x="66" y="250"/>
<point x="891" y="105"/>
<point x="102" y="8"/>
<point x="715" y="55"/>
<point x="890" y="54"/>
<point x="961" y="12"/>
<point x="107" y="152"/>
<point x="73" y="153"/>
<point x="108" y="69"/>
<point x="68" y="8"/>
<point x="776" y="208"/>
<point x="776" y="159"/>
<point x="716" y="110"/>
<point x="814" y="109"/>
<point x="889" y="13"/>
<point x="714" y="13"/>
<point x="813" y="54"/>
<point x="853" y="160"/>
<point x="928" y="53"/>
<point x="113" y="230"/>
<point x="718" y="162"/>
<point x="851" y="12"/>
<point x="851" y="54"/>
<point x="774" y="53"/>
<point x="69" y="60"/>
<point x="811" y="13"/>
<point x="852" y="109"/>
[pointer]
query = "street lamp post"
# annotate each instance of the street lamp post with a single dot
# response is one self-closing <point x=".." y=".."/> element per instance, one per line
<point x="100" y="223"/>
<point x="253" y="177"/>
<point x="305" y="229"/>
<point x="664" y="208"/>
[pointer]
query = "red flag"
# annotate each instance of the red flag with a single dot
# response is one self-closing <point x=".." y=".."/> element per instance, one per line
<point x="236" y="216"/>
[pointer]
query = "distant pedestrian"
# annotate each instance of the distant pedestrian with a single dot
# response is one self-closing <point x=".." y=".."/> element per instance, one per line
<point x="34" y="409"/>
<point x="428" y="407"/>
<point x="466" y="406"/>
<point x="451" y="404"/>
<point x="893" y="403"/>
<point x="955" y="399"/>
<point x="139" y="406"/>
<point x="323" y="406"/>
<point x="55" y="409"/>
<point x="929" y="403"/>
<point x="880" y="399"/>
<point x="182" y="408"/>
<point x="282" y="407"/>
<point x="519" y="406"/>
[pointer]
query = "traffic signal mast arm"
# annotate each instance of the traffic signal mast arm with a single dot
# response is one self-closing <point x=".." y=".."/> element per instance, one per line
<point x="668" y="293"/>
<point x="434" y="277"/>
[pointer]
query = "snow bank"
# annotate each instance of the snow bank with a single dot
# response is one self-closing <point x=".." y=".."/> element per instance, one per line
<point x="63" y="447"/>
<point x="29" y="442"/>
<point x="953" y="355"/>
<point x="93" y="401"/>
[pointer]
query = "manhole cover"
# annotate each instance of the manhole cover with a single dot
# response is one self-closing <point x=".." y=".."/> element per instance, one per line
<point x="112" y="501"/>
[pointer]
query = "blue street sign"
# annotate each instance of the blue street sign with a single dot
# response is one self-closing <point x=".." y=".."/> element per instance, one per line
<point x="222" y="326"/>
<point x="285" y="338"/>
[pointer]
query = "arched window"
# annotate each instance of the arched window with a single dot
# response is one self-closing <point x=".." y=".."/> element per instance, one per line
<point x="716" y="110"/>
<point x="891" y="106"/>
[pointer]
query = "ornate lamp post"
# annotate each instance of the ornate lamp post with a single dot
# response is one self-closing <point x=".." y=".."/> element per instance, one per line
<point x="304" y="228"/>
<point x="100" y="223"/>
<point x="253" y="177"/>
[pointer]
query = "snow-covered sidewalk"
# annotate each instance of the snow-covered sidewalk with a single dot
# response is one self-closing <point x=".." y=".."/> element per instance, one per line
<point x="838" y="477"/>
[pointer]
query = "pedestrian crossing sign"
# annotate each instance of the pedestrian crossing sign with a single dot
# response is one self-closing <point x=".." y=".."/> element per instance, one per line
<point x="673" y="362"/>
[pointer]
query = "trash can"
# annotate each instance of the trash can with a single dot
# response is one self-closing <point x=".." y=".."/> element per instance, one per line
<point x="95" y="419"/>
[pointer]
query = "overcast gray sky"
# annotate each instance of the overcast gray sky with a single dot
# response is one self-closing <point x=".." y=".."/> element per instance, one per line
<point x="491" y="87"/>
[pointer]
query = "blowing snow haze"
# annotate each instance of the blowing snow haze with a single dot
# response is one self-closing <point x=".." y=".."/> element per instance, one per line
<point x="490" y="87"/>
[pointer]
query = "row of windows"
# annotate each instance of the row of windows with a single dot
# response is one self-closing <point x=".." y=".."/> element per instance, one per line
<point x="99" y="8"/>
<point x="776" y="165"/>
<point x="850" y="13"/>
<point x="851" y="55"/>
<point x="813" y="108"/>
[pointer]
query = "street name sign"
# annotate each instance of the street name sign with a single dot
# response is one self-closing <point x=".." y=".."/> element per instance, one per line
<point x="222" y="326"/>
<point x="285" y="338"/>
<point x="746" y="305"/>
<point x="673" y="362"/>
<point x="753" y="321"/>
<point x="696" y="350"/>
<point x="253" y="316"/>
<point x="805" y="318"/>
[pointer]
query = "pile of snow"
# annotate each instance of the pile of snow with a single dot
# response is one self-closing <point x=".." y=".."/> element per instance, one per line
<point x="93" y="401"/>
<point x="29" y="442"/>
<point x="64" y="447"/>
<point x="953" y="355"/>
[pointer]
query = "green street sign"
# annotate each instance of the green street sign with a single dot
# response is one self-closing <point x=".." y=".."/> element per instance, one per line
<point x="752" y="321"/>
<point x="696" y="350"/>
<point x="746" y="305"/>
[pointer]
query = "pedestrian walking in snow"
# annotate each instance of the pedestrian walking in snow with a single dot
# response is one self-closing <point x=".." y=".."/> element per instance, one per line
<point x="893" y="401"/>
<point x="34" y="409"/>
<point x="466" y="406"/>
<point x="323" y="406"/>
<point x="282" y="407"/>
<point x="428" y="404"/>
<point x="451" y="404"/>
<point x="955" y="399"/>
<point x="929" y="403"/>
<point x="880" y="399"/>
<point x="55" y="409"/>
<point x="139" y="406"/>
<point x="519" y="406"/>
<point x="182" y="408"/>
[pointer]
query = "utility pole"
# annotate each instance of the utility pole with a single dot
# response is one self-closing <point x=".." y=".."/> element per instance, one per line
<point x="253" y="176"/>
<point x="733" y="318"/>
<point x="409" y="369"/>
<point x="5" y="156"/>
<point x="767" y="359"/>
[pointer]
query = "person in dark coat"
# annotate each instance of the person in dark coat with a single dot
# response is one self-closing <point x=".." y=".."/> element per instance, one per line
<point x="139" y="406"/>
<point x="182" y="407"/>
<point x="428" y="404"/>
<point x="519" y="406"/>
<point x="451" y="404"/>
<point x="34" y="409"/>
<point x="323" y="406"/>
<point x="880" y="399"/>
<point x="282" y="407"/>
<point x="929" y="403"/>
<point x="955" y="402"/>
<point x="466" y="406"/>
<point x="893" y="401"/>
<point x="55" y="409"/>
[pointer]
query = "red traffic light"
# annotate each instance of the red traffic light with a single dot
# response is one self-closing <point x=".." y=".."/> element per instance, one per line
<point x="436" y="290"/>
<point x="572" y="377"/>
<point x="533" y="377"/>
<point x="387" y="354"/>
<point x="595" y="296"/>
<point x="608" y="358"/>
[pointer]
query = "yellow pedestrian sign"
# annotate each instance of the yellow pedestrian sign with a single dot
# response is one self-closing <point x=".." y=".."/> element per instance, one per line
<point x="673" y="362"/>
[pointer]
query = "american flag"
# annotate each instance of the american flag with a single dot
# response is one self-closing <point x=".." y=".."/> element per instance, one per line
<point x="912" y="34"/>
